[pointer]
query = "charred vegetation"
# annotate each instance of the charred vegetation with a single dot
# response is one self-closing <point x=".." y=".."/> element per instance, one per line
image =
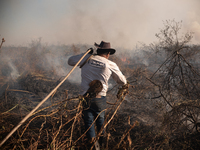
<point x="158" y="109"/>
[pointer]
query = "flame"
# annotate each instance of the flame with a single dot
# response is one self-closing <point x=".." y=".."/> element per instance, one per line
<point x="125" y="60"/>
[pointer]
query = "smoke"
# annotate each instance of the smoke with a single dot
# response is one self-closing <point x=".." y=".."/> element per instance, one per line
<point x="123" y="23"/>
<point x="193" y="25"/>
<point x="54" y="62"/>
<point x="8" y="68"/>
<point x="14" y="72"/>
<point x="38" y="58"/>
<point x="58" y="62"/>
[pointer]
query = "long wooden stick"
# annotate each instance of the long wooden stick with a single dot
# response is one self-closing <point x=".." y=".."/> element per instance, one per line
<point x="27" y="116"/>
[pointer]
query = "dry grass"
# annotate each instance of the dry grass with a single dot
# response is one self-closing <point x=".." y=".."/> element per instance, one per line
<point x="142" y="117"/>
<point x="58" y="124"/>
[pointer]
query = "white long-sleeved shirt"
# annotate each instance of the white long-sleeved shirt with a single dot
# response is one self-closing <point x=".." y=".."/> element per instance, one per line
<point x="97" y="68"/>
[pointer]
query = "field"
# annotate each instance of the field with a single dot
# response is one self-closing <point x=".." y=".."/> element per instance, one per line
<point x="159" y="110"/>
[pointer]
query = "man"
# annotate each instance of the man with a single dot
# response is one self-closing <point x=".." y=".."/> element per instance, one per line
<point x="97" y="68"/>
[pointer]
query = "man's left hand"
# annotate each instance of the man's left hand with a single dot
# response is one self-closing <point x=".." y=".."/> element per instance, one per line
<point x="91" y="50"/>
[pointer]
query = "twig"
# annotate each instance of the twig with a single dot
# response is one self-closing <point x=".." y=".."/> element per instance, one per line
<point x="160" y="92"/>
<point x="57" y="132"/>
<point x="35" y="118"/>
<point x="127" y="133"/>
<point x="77" y="114"/>
<point x="189" y="65"/>
<point x="2" y="42"/>
<point x="174" y="53"/>
<point x="40" y="132"/>
<point x="9" y="110"/>
<point x="14" y="90"/>
<point x="63" y="126"/>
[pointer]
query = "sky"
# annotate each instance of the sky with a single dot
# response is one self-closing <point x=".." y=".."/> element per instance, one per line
<point x="122" y="23"/>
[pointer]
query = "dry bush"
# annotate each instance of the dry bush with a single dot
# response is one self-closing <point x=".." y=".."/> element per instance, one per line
<point x="177" y="80"/>
<point x="57" y="125"/>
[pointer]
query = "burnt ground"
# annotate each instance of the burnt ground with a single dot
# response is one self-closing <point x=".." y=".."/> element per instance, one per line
<point x="19" y="97"/>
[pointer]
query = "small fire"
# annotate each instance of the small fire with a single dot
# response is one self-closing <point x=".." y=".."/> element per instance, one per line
<point x="125" y="60"/>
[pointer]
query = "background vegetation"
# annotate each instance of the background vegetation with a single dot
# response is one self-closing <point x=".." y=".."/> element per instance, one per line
<point x="161" y="109"/>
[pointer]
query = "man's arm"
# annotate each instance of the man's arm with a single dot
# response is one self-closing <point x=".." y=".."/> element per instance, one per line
<point x="117" y="74"/>
<point x="74" y="59"/>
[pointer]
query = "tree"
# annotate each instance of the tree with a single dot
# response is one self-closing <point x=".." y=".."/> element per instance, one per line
<point x="178" y="78"/>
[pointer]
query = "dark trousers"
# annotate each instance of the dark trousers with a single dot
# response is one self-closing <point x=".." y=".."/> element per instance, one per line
<point x="90" y="113"/>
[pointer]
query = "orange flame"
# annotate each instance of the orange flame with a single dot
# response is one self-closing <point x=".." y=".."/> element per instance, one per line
<point x="125" y="60"/>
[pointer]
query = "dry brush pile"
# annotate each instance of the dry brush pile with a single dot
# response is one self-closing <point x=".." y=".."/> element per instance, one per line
<point x="58" y="124"/>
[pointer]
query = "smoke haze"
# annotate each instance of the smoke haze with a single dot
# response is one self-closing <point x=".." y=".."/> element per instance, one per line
<point x="123" y="23"/>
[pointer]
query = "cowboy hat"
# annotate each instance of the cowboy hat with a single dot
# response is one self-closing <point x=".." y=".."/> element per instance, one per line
<point x="104" y="47"/>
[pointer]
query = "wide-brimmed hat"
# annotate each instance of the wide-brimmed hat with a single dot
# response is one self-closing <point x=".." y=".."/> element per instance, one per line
<point x="104" y="47"/>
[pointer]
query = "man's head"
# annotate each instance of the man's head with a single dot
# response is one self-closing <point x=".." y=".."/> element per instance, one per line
<point x="104" y="48"/>
<point x="106" y="55"/>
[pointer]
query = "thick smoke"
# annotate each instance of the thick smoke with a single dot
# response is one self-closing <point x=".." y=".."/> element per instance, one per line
<point x="8" y="69"/>
<point x="38" y="58"/>
<point x="193" y="25"/>
<point x="123" y="23"/>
